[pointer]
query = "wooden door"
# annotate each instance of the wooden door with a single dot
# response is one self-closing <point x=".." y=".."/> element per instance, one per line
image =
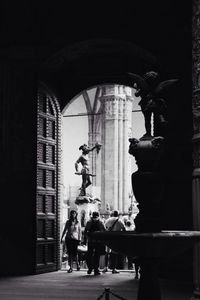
<point x="48" y="174"/>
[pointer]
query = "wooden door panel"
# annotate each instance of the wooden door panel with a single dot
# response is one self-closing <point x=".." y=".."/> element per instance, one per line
<point x="47" y="249"/>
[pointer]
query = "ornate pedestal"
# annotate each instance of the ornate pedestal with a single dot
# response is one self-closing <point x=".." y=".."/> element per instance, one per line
<point x="148" y="242"/>
<point x="151" y="248"/>
<point x="85" y="206"/>
<point x="147" y="181"/>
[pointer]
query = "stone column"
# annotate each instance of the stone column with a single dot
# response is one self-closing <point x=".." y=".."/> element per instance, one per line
<point x="121" y="153"/>
<point x="116" y="122"/>
<point x="196" y="142"/>
<point x="110" y="176"/>
<point x="127" y="130"/>
<point x="92" y="155"/>
<point x="95" y="162"/>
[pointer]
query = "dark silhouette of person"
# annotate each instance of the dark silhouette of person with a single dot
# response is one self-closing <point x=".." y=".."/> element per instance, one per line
<point x="95" y="249"/>
<point x="132" y="260"/>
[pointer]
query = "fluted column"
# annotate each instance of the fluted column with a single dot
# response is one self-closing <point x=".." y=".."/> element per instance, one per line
<point x="196" y="142"/>
<point x="116" y="123"/>
<point x="127" y="129"/>
<point x="121" y="154"/>
<point x="95" y="162"/>
<point x="110" y="177"/>
<point x="92" y="139"/>
<point x="91" y="154"/>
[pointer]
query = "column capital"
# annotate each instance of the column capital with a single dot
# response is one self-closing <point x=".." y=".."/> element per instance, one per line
<point x="117" y="90"/>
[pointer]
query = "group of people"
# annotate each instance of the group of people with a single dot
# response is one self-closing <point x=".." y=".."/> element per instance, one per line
<point x="73" y="236"/>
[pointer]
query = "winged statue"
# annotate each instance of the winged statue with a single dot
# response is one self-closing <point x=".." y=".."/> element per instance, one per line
<point x="151" y="89"/>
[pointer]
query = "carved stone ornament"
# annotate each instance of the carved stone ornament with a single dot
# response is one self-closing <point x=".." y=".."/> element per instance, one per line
<point x="147" y="152"/>
<point x="147" y="182"/>
<point x="196" y="26"/>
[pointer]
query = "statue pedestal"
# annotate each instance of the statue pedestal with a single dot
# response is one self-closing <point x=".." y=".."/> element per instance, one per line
<point x="147" y="182"/>
<point x="85" y="206"/>
<point x="151" y="249"/>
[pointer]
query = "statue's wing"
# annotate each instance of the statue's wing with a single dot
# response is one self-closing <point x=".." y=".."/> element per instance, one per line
<point x="164" y="85"/>
<point x="141" y="83"/>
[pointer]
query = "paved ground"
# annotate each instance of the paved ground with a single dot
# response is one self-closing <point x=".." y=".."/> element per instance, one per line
<point x="78" y="285"/>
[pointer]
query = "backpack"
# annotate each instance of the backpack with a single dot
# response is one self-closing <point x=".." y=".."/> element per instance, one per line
<point x="95" y="226"/>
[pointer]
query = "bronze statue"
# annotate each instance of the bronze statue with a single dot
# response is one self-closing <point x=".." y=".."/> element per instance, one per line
<point x="84" y="161"/>
<point x="149" y="151"/>
<point x="150" y="89"/>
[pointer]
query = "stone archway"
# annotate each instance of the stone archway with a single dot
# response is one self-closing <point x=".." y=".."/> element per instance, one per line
<point x="107" y="114"/>
<point x="94" y="62"/>
<point x="68" y="73"/>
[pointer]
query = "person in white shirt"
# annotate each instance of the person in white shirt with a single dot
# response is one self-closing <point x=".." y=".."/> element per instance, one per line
<point x="132" y="260"/>
<point x="72" y="232"/>
<point x="114" y="223"/>
<point x="129" y="218"/>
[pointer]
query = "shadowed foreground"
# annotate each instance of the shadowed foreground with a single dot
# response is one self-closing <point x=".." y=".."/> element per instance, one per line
<point x="79" y="285"/>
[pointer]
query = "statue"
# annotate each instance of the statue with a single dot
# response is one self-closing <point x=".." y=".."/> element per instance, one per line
<point x="151" y="91"/>
<point x="84" y="161"/>
<point x="148" y="180"/>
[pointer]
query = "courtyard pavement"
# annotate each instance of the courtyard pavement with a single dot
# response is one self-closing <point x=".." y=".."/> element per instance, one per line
<point x="78" y="285"/>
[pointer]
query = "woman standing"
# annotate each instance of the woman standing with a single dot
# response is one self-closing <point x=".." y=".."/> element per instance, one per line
<point x="72" y="230"/>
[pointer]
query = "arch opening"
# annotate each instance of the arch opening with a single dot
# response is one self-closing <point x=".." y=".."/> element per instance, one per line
<point x="108" y="115"/>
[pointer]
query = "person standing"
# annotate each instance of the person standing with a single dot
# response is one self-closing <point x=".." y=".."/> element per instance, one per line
<point x="72" y="232"/>
<point x="95" y="249"/>
<point x="132" y="260"/>
<point x="114" y="223"/>
<point x="130" y="219"/>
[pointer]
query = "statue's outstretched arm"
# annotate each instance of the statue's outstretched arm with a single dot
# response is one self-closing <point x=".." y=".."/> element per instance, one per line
<point x="96" y="146"/>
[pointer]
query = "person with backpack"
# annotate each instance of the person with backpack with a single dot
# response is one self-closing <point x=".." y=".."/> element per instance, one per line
<point x="95" y="249"/>
<point x="114" y="223"/>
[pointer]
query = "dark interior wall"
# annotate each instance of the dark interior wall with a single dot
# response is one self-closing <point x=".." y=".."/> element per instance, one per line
<point x="18" y="167"/>
<point x="32" y="33"/>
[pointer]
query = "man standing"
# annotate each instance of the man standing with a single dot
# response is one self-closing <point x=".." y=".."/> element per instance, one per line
<point x="95" y="249"/>
<point x="114" y="224"/>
